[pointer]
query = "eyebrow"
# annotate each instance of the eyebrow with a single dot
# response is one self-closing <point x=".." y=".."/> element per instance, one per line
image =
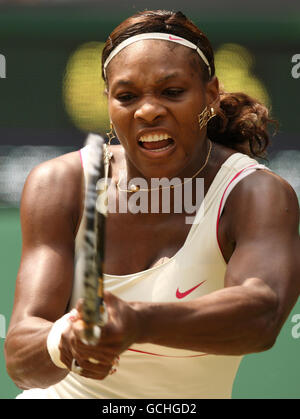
<point x="121" y="83"/>
<point x="167" y="77"/>
<point x="124" y="82"/>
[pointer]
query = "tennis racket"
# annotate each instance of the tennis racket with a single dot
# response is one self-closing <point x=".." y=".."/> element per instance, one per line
<point x="91" y="251"/>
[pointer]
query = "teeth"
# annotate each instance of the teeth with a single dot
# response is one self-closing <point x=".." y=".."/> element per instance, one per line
<point x="154" y="137"/>
<point x="161" y="149"/>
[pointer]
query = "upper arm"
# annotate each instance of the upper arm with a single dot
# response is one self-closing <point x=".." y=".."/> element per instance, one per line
<point x="263" y="222"/>
<point x="49" y="215"/>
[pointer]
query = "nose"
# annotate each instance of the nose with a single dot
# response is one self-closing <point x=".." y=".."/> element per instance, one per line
<point x="149" y="109"/>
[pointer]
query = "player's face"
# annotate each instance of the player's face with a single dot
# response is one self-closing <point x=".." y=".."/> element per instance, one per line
<point x="155" y="95"/>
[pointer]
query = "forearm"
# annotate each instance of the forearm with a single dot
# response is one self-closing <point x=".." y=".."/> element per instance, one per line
<point x="27" y="359"/>
<point x="231" y="321"/>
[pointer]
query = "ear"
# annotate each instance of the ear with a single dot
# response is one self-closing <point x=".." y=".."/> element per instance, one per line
<point x="212" y="93"/>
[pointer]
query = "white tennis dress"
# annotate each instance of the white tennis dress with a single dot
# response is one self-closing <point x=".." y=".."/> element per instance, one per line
<point x="153" y="371"/>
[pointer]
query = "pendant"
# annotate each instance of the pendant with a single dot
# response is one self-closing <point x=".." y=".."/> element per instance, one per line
<point x="134" y="188"/>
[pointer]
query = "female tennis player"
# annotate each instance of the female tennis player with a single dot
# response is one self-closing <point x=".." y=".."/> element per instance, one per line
<point x="185" y="301"/>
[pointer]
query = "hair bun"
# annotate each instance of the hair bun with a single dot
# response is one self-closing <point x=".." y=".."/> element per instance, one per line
<point x="180" y="15"/>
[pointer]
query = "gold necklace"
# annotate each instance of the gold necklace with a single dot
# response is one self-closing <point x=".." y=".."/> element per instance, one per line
<point x="135" y="188"/>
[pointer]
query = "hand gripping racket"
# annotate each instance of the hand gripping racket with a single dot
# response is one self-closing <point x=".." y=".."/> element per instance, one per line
<point x="92" y="247"/>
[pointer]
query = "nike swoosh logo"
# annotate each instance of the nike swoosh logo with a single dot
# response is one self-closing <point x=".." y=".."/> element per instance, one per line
<point x="174" y="39"/>
<point x="184" y="294"/>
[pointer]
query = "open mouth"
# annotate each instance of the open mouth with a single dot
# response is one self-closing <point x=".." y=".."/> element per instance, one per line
<point x="156" y="142"/>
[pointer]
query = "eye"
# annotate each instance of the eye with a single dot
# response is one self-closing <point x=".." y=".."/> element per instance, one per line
<point x="125" y="97"/>
<point x="173" y="92"/>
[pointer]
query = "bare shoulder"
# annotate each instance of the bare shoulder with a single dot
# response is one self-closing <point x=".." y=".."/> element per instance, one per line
<point x="263" y="200"/>
<point x="267" y="181"/>
<point x="266" y="187"/>
<point x="53" y="188"/>
<point x="59" y="169"/>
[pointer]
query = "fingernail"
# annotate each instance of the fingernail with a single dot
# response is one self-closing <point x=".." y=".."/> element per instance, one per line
<point x="116" y="362"/>
<point x="73" y="315"/>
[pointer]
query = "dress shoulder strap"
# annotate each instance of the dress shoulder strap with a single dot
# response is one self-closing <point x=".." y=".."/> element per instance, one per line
<point x="237" y="178"/>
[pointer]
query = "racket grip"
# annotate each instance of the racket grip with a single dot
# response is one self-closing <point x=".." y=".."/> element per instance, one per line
<point x="91" y="333"/>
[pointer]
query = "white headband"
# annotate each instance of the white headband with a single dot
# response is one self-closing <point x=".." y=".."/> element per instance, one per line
<point x="155" y="35"/>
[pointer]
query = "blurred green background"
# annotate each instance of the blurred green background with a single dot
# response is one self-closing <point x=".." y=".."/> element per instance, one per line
<point x="52" y="97"/>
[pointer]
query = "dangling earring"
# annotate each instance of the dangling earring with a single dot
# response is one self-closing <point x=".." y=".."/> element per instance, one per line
<point x="206" y="115"/>
<point x="110" y="134"/>
<point x="108" y="154"/>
